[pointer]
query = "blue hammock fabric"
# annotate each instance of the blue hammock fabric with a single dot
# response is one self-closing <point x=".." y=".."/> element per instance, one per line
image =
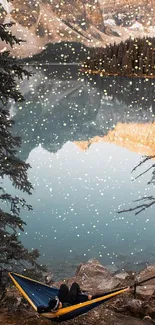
<point x="39" y="294"/>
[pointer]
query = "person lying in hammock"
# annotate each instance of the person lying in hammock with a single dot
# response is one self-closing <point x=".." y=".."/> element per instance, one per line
<point x="66" y="297"/>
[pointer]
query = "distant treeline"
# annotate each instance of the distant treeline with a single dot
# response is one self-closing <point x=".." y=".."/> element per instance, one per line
<point x="62" y="52"/>
<point x="132" y="57"/>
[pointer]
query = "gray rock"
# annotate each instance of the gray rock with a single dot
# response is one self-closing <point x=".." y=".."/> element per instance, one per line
<point x="112" y="268"/>
<point x="148" y="272"/>
<point x="112" y="318"/>
<point x="134" y="306"/>
<point x="122" y="275"/>
<point x="145" y="290"/>
<point x="108" y="283"/>
<point x="148" y="319"/>
<point x="94" y="276"/>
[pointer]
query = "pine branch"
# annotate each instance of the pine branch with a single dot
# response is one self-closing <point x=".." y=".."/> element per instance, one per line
<point x="143" y="173"/>
<point x="16" y="203"/>
<point x="7" y="36"/>
<point x="145" y="159"/>
<point x="140" y="208"/>
<point x="12" y="253"/>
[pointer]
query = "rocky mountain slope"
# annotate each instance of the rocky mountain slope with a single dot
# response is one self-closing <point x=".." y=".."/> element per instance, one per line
<point x="126" y="11"/>
<point x="92" y="23"/>
<point x="133" y="136"/>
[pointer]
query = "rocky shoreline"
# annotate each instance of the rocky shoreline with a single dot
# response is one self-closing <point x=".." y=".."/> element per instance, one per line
<point x="94" y="278"/>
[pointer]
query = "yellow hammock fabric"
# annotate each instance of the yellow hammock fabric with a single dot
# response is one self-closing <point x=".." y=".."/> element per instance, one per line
<point x="39" y="294"/>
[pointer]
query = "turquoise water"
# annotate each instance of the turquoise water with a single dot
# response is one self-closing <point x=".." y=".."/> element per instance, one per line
<point x="77" y="193"/>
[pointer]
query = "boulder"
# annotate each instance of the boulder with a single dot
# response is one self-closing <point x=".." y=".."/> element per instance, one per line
<point x="133" y="306"/>
<point x="146" y="273"/>
<point x="147" y="288"/>
<point x="122" y="275"/>
<point x="95" y="277"/>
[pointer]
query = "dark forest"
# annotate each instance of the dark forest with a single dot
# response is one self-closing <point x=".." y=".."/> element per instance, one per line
<point x="130" y="58"/>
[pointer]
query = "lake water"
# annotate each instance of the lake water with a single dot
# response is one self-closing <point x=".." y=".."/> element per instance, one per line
<point x="81" y="179"/>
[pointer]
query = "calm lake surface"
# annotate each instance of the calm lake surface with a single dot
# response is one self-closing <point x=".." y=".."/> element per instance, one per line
<point x="80" y="184"/>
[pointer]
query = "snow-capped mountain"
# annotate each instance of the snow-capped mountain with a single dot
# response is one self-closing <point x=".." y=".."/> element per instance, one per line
<point x="125" y="12"/>
<point x="91" y="22"/>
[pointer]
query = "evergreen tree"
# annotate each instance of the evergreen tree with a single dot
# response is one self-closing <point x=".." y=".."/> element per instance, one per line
<point x="13" y="255"/>
<point x="131" y="58"/>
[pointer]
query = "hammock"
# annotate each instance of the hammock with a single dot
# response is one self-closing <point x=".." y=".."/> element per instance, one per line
<point x="39" y="294"/>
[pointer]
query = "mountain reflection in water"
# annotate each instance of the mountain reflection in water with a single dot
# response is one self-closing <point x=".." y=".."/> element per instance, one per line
<point x="78" y="192"/>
